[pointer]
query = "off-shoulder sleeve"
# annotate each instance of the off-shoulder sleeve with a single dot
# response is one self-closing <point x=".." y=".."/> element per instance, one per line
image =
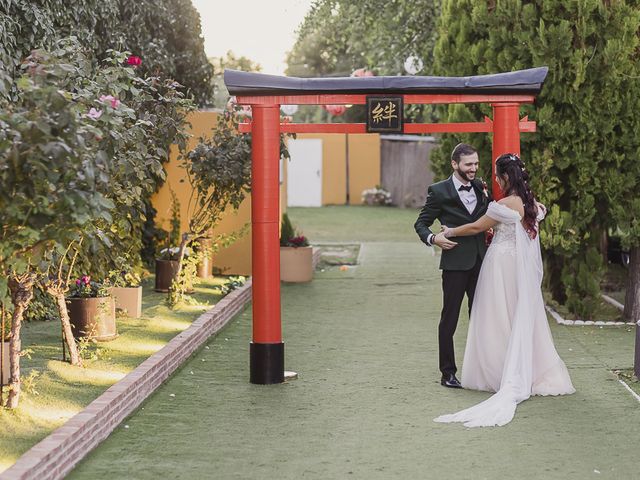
<point x="502" y="214"/>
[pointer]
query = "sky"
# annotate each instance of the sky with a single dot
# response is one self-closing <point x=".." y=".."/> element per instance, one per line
<point x="261" y="30"/>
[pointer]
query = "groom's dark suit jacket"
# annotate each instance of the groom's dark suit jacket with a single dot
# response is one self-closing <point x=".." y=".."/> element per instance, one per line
<point x="443" y="203"/>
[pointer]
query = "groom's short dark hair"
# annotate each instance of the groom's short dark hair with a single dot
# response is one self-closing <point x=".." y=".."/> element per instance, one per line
<point x="462" y="149"/>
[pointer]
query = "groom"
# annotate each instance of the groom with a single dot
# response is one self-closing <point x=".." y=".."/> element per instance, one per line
<point x="455" y="201"/>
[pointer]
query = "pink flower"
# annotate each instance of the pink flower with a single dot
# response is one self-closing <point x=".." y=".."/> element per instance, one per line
<point x="115" y="103"/>
<point x="299" y="241"/>
<point x="94" y="114"/>
<point x="78" y="282"/>
<point x="335" y="110"/>
<point x="86" y="279"/>
<point x="134" y="61"/>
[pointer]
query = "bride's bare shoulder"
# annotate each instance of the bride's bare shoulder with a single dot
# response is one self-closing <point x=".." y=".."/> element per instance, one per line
<point x="513" y="202"/>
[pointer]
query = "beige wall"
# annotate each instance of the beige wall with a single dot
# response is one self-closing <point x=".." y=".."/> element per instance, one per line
<point x="235" y="259"/>
<point x="364" y="165"/>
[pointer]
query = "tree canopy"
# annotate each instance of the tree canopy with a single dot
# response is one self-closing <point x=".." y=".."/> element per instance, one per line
<point x="165" y="33"/>
<point x="339" y="36"/>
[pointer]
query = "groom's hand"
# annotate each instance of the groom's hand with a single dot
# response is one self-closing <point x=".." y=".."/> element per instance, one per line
<point x="443" y="242"/>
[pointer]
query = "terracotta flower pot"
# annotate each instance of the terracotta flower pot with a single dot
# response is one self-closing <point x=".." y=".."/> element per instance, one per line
<point x="204" y="267"/>
<point x="165" y="273"/>
<point x="128" y="299"/>
<point x="93" y="318"/>
<point x="6" y="365"/>
<point x="296" y="264"/>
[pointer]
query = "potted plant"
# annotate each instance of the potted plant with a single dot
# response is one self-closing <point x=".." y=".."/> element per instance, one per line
<point x="296" y="256"/>
<point x="91" y="310"/>
<point x="167" y="268"/>
<point x="126" y="289"/>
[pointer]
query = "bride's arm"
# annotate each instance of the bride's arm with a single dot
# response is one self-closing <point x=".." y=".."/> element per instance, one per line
<point x="483" y="224"/>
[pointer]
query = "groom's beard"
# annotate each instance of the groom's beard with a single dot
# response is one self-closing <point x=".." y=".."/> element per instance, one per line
<point x="467" y="177"/>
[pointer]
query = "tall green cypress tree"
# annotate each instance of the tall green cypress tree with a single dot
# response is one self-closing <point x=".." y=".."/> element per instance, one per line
<point x="575" y="157"/>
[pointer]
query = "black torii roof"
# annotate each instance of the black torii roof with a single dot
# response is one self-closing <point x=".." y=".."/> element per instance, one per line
<point x="259" y="84"/>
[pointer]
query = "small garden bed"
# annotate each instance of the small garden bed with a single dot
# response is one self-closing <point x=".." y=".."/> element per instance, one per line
<point x="55" y="391"/>
<point x="604" y="311"/>
<point x="613" y="285"/>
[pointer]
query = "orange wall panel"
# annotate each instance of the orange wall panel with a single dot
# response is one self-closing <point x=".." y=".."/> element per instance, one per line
<point x="364" y="165"/>
<point x="236" y="259"/>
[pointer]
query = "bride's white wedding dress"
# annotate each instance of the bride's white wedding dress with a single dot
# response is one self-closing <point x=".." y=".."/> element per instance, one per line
<point x="509" y="349"/>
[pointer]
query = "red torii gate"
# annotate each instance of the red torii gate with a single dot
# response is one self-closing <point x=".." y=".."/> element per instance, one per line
<point x="265" y="94"/>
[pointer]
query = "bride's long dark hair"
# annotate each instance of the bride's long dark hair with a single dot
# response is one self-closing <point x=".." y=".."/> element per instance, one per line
<point x="512" y="166"/>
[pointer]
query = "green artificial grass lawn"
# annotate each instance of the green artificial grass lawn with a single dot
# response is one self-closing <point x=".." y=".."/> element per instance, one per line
<point x="356" y="223"/>
<point x="363" y="340"/>
<point x="54" y="391"/>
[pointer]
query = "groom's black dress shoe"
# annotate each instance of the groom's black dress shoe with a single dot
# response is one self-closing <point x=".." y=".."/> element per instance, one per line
<point x="450" y="381"/>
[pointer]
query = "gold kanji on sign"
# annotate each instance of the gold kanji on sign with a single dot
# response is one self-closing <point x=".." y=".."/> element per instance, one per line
<point x="384" y="114"/>
<point x="380" y="113"/>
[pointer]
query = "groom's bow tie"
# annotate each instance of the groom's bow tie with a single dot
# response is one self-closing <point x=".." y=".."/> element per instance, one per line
<point x="466" y="189"/>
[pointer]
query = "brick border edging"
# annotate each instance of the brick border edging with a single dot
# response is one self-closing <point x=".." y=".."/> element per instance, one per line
<point x="56" y="455"/>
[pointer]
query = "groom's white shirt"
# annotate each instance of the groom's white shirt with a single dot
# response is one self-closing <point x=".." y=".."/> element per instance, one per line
<point x="469" y="198"/>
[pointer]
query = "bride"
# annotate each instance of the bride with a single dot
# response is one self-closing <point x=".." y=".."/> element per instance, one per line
<point x="509" y="349"/>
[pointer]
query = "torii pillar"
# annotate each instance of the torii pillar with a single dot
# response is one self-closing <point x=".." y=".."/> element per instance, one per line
<point x="266" y="349"/>
<point x="506" y="137"/>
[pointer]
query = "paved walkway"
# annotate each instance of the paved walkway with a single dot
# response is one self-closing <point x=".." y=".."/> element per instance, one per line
<point x="364" y="344"/>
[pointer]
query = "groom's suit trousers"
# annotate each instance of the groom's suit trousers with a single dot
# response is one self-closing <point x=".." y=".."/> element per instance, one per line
<point x="455" y="284"/>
